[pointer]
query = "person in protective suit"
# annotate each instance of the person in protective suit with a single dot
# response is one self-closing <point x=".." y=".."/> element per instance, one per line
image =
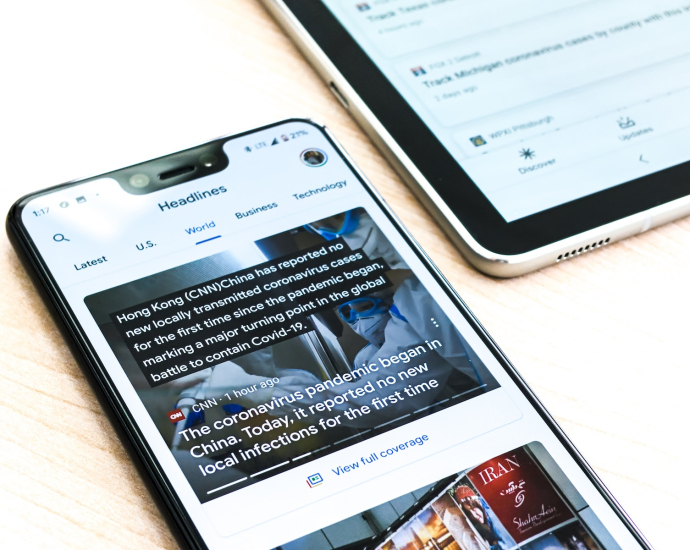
<point x="410" y="316"/>
<point x="419" y="309"/>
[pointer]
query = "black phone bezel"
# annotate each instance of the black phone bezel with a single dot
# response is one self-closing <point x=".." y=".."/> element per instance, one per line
<point x="88" y="358"/>
<point x="471" y="207"/>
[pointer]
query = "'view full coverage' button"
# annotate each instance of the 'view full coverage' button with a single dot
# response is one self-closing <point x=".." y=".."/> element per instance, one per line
<point x="378" y="455"/>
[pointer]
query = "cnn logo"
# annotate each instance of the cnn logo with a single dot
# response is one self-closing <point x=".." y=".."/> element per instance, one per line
<point x="176" y="415"/>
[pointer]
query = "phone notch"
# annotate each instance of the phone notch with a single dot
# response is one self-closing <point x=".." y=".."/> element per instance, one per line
<point x="171" y="170"/>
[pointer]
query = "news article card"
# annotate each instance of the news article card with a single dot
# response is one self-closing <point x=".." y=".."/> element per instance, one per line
<point x="519" y="500"/>
<point x="277" y="352"/>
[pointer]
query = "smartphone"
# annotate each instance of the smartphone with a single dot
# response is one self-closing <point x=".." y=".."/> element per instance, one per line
<point x="288" y="365"/>
<point x="533" y="131"/>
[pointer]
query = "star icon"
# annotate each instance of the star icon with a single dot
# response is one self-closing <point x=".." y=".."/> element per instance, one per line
<point x="527" y="154"/>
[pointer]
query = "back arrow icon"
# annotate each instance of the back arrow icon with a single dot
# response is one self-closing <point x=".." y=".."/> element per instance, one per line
<point x="643" y="160"/>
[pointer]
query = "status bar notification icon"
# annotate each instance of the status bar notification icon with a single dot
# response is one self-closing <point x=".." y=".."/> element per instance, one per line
<point x="314" y="480"/>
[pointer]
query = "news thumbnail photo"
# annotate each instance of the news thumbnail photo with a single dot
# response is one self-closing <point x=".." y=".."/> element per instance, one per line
<point x="277" y="352"/>
<point x="519" y="500"/>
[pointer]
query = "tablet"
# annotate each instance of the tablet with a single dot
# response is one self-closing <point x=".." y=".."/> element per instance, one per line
<point x="534" y="131"/>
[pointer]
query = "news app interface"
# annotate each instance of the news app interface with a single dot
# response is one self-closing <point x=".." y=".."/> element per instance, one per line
<point x="302" y="378"/>
<point x="541" y="103"/>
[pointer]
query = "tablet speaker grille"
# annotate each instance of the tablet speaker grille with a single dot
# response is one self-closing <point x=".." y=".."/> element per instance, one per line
<point x="583" y="249"/>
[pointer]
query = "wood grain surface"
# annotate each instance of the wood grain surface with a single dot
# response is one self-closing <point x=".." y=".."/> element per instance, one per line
<point x="92" y="86"/>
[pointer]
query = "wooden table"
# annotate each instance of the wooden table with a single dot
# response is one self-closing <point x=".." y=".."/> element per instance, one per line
<point x="92" y="86"/>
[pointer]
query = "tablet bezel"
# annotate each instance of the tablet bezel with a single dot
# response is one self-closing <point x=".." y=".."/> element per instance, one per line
<point x="472" y="208"/>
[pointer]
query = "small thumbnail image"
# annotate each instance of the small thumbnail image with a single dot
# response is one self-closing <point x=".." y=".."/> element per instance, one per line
<point x="418" y="71"/>
<point x="480" y="517"/>
<point x="363" y="6"/>
<point x="478" y="141"/>
<point x="433" y="531"/>
<point x="518" y="500"/>
<point x="406" y="539"/>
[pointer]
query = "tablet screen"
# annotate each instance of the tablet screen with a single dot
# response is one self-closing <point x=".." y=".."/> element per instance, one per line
<point x="540" y="103"/>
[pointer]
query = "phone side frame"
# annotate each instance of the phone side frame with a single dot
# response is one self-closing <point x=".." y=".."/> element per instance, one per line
<point x="87" y="357"/>
<point x="483" y="259"/>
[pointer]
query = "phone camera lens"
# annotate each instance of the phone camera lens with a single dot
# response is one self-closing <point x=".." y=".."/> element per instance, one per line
<point x="139" y="180"/>
<point x="313" y="157"/>
<point x="208" y="160"/>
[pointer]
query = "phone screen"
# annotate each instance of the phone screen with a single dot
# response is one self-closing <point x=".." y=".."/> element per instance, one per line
<point x="302" y="377"/>
<point x="541" y="103"/>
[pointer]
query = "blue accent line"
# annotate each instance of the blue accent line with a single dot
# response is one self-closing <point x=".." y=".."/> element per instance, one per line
<point x="396" y="312"/>
<point x="212" y="238"/>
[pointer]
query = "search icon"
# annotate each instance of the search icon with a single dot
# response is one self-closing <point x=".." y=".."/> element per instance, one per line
<point x="59" y="237"/>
